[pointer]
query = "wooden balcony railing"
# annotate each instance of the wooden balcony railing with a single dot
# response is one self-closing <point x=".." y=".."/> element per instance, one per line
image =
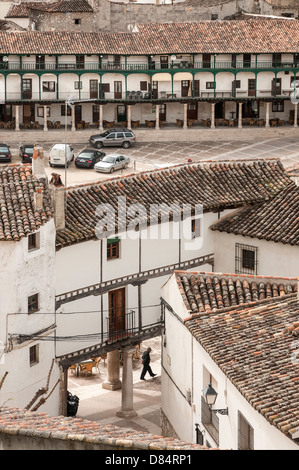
<point x="145" y="66"/>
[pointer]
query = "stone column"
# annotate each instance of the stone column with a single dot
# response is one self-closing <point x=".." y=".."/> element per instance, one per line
<point x="73" y="119"/>
<point x="212" y="115"/>
<point x="240" y="116"/>
<point x="101" y="118"/>
<point x="17" y="118"/>
<point x="157" y="117"/>
<point x="113" y="382"/>
<point x="296" y="115"/>
<point x="268" y="114"/>
<point x="45" y="119"/>
<point x="185" y="116"/>
<point x="129" y="116"/>
<point x="127" y="388"/>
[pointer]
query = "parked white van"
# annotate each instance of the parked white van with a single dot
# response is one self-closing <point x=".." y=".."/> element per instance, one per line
<point x="61" y="154"/>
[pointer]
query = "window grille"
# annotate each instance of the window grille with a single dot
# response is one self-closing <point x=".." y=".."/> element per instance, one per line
<point x="245" y="259"/>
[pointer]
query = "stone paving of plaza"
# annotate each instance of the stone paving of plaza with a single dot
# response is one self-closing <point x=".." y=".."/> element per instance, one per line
<point x="146" y="156"/>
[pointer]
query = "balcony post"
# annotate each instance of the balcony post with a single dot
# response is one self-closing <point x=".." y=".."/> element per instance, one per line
<point x="73" y="128"/>
<point x="267" y="114"/>
<point x="185" y="116"/>
<point x="45" y="119"/>
<point x="240" y="115"/>
<point x="129" y="116"/>
<point x="296" y="115"/>
<point x="112" y="382"/>
<point x="101" y="118"/>
<point x="127" y="410"/>
<point x="17" y="128"/>
<point x="212" y="115"/>
<point x="157" y="117"/>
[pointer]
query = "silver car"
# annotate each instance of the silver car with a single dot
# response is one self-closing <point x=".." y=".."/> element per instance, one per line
<point x="113" y="138"/>
<point x="112" y="162"/>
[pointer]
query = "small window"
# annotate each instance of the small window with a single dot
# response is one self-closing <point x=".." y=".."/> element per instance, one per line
<point x="210" y="85"/>
<point x="120" y="135"/>
<point x="278" y="106"/>
<point x="33" y="241"/>
<point x="245" y="259"/>
<point x="111" y="136"/>
<point x="77" y="20"/>
<point x="214" y="16"/>
<point x="49" y="86"/>
<point x="33" y="355"/>
<point x="33" y="303"/>
<point x="113" y="248"/>
<point x="128" y="134"/>
<point x="143" y="86"/>
<point x="69" y="111"/>
<point x="238" y="83"/>
<point x="78" y="85"/>
<point x="195" y="228"/>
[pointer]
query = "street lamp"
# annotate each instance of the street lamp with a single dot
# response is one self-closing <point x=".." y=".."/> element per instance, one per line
<point x="210" y="396"/>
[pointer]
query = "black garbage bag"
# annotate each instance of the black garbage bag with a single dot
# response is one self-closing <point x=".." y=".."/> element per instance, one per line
<point x="72" y="404"/>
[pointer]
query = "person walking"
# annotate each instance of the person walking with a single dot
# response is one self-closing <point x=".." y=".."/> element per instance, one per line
<point x="146" y="359"/>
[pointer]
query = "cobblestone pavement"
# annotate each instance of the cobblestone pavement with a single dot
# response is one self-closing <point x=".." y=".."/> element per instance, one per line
<point x="146" y="156"/>
<point x="98" y="404"/>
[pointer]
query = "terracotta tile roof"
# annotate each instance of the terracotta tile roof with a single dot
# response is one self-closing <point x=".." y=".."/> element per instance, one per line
<point x="22" y="9"/>
<point x="260" y="36"/>
<point x="275" y="220"/>
<point x="255" y="347"/>
<point x="214" y="185"/>
<point x="209" y="292"/>
<point x="67" y="6"/>
<point x="38" y="425"/>
<point x="18" y="214"/>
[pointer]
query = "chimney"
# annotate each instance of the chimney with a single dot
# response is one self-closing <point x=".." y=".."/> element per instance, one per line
<point x="38" y="164"/>
<point x="58" y="197"/>
<point x="38" y="199"/>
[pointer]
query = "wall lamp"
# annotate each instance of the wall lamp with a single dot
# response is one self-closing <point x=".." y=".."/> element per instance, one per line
<point x="210" y="396"/>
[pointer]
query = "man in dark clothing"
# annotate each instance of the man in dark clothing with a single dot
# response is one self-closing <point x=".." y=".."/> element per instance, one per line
<point x="146" y="359"/>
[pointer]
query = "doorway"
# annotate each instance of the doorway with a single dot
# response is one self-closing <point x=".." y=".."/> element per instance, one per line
<point x="251" y="87"/>
<point x="78" y="113"/>
<point x="117" y="313"/>
<point x="93" y="89"/>
<point x="27" y="88"/>
<point x="276" y="87"/>
<point x="117" y="89"/>
<point x="220" y="110"/>
<point x="28" y="112"/>
<point x="121" y="113"/>
<point x="185" y="85"/>
<point x="192" y="111"/>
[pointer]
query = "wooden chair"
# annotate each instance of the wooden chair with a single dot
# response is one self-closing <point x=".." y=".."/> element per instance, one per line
<point x="135" y="124"/>
<point x="79" y="125"/>
<point x="179" y="123"/>
<point x="231" y="123"/>
<point x="225" y="122"/>
<point x="124" y="124"/>
<point x="150" y="124"/>
<point x="50" y="124"/>
<point x="136" y="353"/>
<point x="86" y="368"/>
<point x="73" y="368"/>
<point x="190" y="122"/>
<point x="110" y="124"/>
<point x="26" y="125"/>
<point x="251" y="122"/>
<point x="57" y="125"/>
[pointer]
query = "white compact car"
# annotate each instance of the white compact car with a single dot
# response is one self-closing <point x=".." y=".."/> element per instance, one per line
<point x="112" y="162"/>
<point x="61" y="155"/>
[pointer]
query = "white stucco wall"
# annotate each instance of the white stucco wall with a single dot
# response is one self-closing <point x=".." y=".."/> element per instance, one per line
<point x="22" y="274"/>
<point x="186" y="371"/>
<point x="275" y="259"/>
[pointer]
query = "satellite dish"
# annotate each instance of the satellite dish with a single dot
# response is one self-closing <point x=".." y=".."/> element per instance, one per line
<point x="5" y="59"/>
<point x="173" y="57"/>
